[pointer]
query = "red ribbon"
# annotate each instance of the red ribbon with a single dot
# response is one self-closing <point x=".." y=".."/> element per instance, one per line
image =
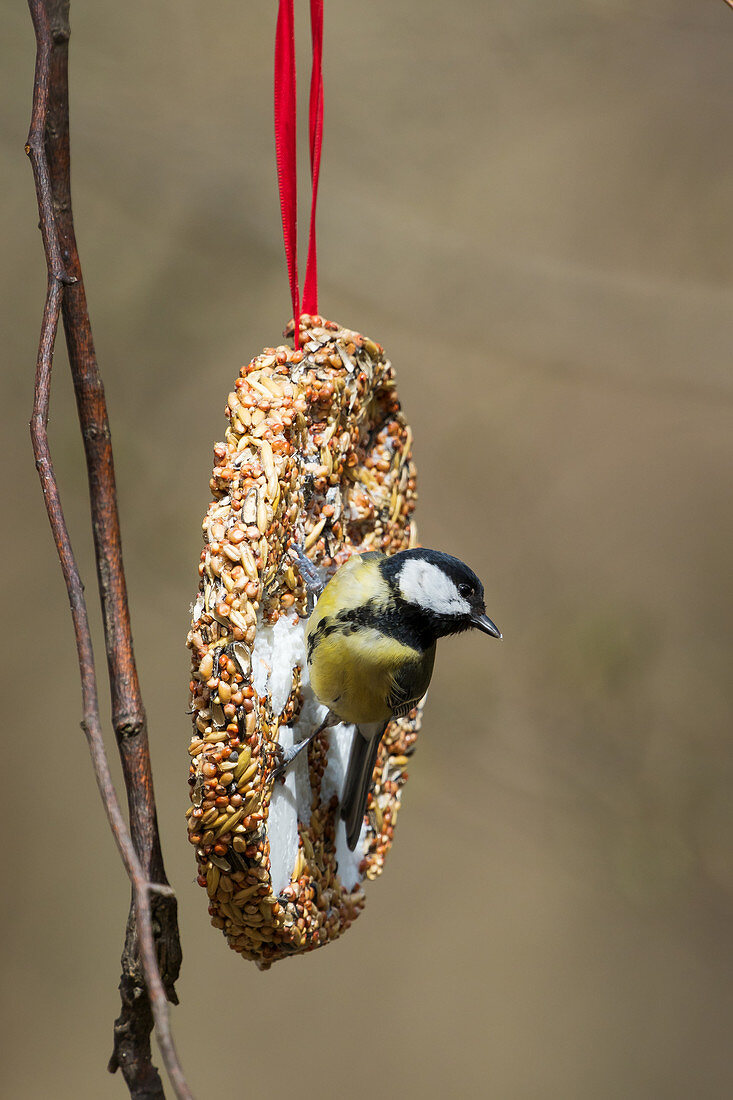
<point x="285" y="148"/>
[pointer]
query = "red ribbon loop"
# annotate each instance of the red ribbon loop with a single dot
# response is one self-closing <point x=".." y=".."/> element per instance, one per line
<point x="285" y="148"/>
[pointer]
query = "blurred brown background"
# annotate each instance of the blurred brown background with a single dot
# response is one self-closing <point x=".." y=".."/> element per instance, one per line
<point x="529" y="206"/>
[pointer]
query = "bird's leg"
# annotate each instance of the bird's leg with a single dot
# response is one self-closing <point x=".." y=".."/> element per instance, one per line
<point x="311" y="577"/>
<point x="290" y="754"/>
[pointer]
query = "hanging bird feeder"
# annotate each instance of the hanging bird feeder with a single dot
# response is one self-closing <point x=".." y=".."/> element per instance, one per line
<point x="316" y="455"/>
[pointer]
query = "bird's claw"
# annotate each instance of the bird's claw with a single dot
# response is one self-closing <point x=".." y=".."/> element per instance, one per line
<point x="314" y="585"/>
<point x="279" y="770"/>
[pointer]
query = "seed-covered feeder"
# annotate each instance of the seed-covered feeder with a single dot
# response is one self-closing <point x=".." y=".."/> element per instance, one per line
<point x="317" y="453"/>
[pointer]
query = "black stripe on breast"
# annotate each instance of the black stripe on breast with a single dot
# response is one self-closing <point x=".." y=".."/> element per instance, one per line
<point x="399" y="620"/>
<point x="326" y="628"/>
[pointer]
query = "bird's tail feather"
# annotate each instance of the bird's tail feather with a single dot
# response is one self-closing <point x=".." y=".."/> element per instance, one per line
<point x="359" y="773"/>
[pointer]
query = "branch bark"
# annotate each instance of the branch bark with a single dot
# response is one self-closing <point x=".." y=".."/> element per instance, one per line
<point x="152" y="956"/>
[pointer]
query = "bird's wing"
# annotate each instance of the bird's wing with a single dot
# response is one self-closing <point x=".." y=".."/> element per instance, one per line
<point x="409" y="683"/>
<point x="359" y="773"/>
<point x="401" y="698"/>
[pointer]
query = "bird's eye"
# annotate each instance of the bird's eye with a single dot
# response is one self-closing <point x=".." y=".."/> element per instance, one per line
<point x="465" y="589"/>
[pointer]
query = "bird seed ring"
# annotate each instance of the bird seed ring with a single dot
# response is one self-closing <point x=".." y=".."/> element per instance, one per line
<point x="317" y="454"/>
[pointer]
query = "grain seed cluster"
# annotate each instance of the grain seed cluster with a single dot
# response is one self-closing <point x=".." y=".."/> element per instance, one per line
<point x="318" y="453"/>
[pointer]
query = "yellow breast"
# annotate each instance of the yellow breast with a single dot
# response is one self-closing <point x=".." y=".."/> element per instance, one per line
<point x="353" y="674"/>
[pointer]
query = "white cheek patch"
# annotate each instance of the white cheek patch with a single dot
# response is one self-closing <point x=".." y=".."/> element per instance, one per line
<point x="426" y="585"/>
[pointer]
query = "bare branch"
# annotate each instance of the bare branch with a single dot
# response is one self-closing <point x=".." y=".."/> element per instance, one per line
<point x="152" y="931"/>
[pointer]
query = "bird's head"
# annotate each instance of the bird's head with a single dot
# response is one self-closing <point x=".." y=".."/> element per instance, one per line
<point x="442" y="590"/>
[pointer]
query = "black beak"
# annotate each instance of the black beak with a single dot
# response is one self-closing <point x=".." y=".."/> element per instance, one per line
<point x="483" y="622"/>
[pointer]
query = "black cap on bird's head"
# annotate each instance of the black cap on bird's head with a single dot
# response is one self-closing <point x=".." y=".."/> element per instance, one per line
<point x="442" y="589"/>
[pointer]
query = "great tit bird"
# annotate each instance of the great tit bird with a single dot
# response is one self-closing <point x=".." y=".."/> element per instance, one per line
<point x="371" y="647"/>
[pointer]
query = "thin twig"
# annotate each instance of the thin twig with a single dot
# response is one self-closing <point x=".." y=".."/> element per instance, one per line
<point x="153" y="902"/>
